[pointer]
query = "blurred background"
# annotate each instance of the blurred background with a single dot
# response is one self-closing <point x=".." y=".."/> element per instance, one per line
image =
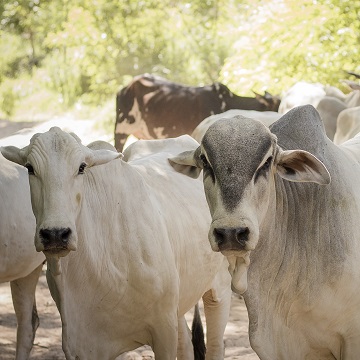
<point x="73" y="56"/>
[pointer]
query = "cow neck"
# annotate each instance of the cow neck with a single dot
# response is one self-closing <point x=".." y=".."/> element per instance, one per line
<point x="244" y="103"/>
<point x="106" y="207"/>
<point x="295" y="253"/>
<point x="115" y="197"/>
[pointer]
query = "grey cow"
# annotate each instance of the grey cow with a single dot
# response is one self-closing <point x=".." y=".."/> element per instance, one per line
<point x="285" y="207"/>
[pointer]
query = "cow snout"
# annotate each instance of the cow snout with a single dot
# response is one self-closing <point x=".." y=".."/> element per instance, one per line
<point x="54" y="239"/>
<point x="231" y="238"/>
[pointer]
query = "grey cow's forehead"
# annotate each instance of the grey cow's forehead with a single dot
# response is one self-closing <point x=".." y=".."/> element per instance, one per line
<point x="235" y="148"/>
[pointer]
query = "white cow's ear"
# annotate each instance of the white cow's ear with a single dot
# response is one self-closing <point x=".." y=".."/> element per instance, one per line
<point x="98" y="157"/>
<point x="186" y="164"/>
<point x="14" y="154"/>
<point x="301" y="166"/>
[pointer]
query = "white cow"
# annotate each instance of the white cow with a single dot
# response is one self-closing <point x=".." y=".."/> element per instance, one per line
<point x="285" y="206"/>
<point x="19" y="262"/>
<point x="329" y="108"/>
<point x="303" y="93"/>
<point x="347" y="125"/>
<point x="266" y="117"/>
<point x="126" y="246"/>
<point x="353" y="99"/>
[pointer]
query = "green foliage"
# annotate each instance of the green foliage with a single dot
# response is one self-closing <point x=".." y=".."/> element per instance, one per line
<point x="8" y="99"/>
<point x="289" y="41"/>
<point x="27" y="98"/>
<point x="86" y="50"/>
<point x="12" y="65"/>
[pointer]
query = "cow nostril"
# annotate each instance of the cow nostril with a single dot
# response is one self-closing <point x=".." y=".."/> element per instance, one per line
<point x="242" y="234"/>
<point x="53" y="236"/>
<point x="45" y="235"/>
<point x="231" y="235"/>
<point x="220" y="235"/>
<point x="65" y="235"/>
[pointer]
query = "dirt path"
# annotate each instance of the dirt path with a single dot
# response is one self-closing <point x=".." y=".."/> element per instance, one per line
<point x="8" y="128"/>
<point x="47" y="344"/>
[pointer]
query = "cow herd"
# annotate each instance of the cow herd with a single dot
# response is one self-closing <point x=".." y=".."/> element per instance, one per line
<point x="134" y="237"/>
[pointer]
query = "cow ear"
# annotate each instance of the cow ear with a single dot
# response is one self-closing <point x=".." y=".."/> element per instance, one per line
<point x="261" y="98"/>
<point x="14" y="154"/>
<point x="185" y="163"/>
<point x="98" y="157"/>
<point x="301" y="166"/>
<point x="268" y="96"/>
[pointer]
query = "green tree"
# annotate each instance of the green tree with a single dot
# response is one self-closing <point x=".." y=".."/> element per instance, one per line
<point x="88" y="49"/>
<point x="287" y="41"/>
<point x="25" y="19"/>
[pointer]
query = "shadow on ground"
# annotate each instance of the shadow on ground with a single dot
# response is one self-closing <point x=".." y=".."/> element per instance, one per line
<point x="8" y="128"/>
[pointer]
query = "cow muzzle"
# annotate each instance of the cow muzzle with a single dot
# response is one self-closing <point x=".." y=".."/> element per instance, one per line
<point x="231" y="238"/>
<point x="56" y="241"/>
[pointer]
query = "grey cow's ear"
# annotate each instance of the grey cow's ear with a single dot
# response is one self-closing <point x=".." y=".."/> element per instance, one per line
<point x="301" y="166"/>
<point x="14" y="154"/>
<point x="186" y="164"/>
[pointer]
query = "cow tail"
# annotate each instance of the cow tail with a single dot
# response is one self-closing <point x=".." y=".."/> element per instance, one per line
<point x="198" y="335"/>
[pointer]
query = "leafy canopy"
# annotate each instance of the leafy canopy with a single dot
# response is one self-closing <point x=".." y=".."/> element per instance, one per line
<point x="88" y="49"/>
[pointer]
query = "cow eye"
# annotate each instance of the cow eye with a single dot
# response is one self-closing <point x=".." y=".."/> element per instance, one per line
<point x="82" y="168"/>
<point x="204" y="161"/>
<point x="30" y="169"/>
<point x="264" y="168"/>
<point x="267" y="164"/>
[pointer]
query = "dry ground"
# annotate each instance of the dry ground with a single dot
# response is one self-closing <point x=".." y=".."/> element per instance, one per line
<point x="47" y="344"/>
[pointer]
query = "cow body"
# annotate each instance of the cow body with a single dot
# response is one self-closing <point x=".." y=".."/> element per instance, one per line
<point x="304" y="93"/>
<point x="285" y="206"/>
<point x="266" y="117"/>
<point x="19" y="262"/>
<point x="329" y="108"/>
<point x="347" y="125"/>
<point x="127" y="252"/>
<point x="151" y="107"/>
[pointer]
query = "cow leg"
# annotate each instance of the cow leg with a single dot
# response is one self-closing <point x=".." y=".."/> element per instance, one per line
<point x="23" y="296"/>
<point x="351" y="348"/>
<point x="185" y="347"/>
<point x="217" y="303"/>
<point x="165" y="337"/>
<point x="120" y="140"/>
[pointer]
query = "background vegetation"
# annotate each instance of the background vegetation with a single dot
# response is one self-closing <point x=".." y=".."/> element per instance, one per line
<point x="60" y="55"/>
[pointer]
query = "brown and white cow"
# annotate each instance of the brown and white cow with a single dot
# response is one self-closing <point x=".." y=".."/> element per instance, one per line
<point x="285" y="207"/>
<point x="151" y="107"/>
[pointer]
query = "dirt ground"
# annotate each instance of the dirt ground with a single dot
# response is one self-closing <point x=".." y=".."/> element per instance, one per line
<point x="8" y="128"/>
<point x="47" y="343"/>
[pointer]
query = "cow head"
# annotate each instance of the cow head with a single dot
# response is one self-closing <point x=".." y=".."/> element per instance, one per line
<point x="241" y="159"/>
<point x="57" y="163"/>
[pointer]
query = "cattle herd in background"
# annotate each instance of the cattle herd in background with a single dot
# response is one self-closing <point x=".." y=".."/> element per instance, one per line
<point x="288" y="320"/>
<point x="151" y="107"/>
